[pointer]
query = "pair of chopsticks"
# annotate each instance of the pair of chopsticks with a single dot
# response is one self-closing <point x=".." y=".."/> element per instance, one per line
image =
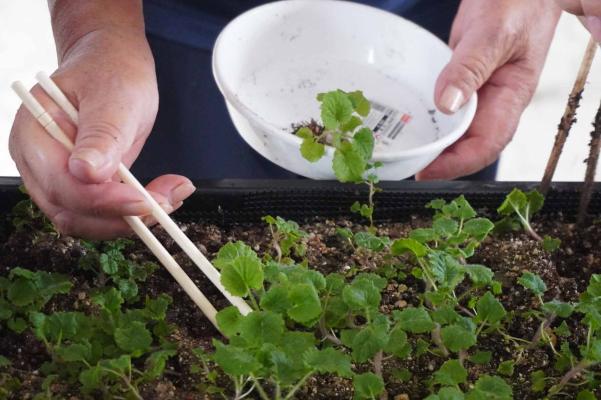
<point x="166" y="259"/>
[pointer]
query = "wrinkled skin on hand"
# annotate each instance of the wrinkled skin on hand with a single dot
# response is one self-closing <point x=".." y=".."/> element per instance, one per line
<point x="500" y="48"/>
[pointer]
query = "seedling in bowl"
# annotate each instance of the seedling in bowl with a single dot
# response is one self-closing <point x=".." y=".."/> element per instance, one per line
<point x="342" y="128"/>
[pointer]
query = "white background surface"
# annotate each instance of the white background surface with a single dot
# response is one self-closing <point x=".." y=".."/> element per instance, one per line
<point x="26" y="46"/>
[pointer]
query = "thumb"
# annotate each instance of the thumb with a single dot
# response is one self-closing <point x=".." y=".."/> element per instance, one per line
<point x="476" y="56"/>
<point x="107" y="129"/>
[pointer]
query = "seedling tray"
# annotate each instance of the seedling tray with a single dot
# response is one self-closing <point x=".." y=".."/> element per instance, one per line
<point x="237" y="201"/>
<point x="232" y="203"/>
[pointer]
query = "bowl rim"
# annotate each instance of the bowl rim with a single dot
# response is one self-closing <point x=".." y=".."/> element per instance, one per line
<point x="469" y="108"/>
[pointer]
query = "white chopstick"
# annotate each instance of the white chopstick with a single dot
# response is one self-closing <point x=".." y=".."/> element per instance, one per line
<point x="157" y="211"/>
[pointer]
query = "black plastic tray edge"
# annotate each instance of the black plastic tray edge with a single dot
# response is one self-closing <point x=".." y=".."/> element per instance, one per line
<point x="231" y="201"/>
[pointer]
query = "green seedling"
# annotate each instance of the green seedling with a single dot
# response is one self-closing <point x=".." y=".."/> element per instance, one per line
<point x="28" y="217"/>
<point x="342" y="116"/>
<point x="287" y="237"/>
<point x="97" y="350"/>
<point x="24" y="292"/>
<point x="590" y="353"/>
<point x="518" y="209"/>
<point x="112" y="267"/>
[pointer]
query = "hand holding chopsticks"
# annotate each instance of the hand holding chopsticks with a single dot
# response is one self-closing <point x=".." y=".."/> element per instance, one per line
<point x="135" y="222"/>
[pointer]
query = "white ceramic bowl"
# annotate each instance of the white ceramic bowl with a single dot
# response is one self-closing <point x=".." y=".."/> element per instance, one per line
<point x="272" y="61"/>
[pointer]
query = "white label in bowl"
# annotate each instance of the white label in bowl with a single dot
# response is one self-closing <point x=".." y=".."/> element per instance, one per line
<point x="386" y="122"/>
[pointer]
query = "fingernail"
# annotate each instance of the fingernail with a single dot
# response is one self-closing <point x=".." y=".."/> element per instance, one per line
<point x="167" y="207"/>
<point x="182" y="191"/>
<point x="91" y="156"/>
<point x="149" y="220"/>
<point x="452" y="99"/>
<point x="137" y="208"/>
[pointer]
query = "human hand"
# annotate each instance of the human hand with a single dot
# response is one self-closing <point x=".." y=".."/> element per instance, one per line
<point x="499" y="51"/>
<point x="109" y="76"/>
<point x="589" y="10"/>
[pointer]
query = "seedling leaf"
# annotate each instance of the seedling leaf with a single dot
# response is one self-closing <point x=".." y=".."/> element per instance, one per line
<point x="360" y="104"/>
<point x="310" y="148"/>
<point x="479" y="274"/>
<point x="336" y="109"/>
<point x="559" y="308"/>
<point x="478" y="228"/>
<point x="451" y="373"/>
<point x="506" y="368"/>
<point x="401" y="246"/>
<point x="348" y="163"/>
<point x="414" y="320"/>
<point x="233" y="360"/>
<point x="533" y="282"/>
<point x="489" y="309"/>
<point x="447" y="393"/>
<point x="261" y="327"/>
<point x="551" y="244"/>
<point x="456" y="337"/>
<point x="229" y="320"/>
<point x="133" y="338"/>
<point x="481" y="357"/>
<point x="155" y="363"/>
<point x="329" y="360"/>
<point x="242" y="274"/>
<point x="367" y="386"/>
<point x="490" y="388"/>
<point x="364" y="143"/>
<point x="305" y="305"/>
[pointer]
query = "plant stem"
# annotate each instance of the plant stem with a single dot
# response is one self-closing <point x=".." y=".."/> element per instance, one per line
<point x="298" y="385"/>
<point x="465" y="311"/>
<point x="529" y="230"/>
<point x="260" y="388"/>
<point x="429" y="279"/>
<point x="437" y="340"/>
<point x="372" y="190"/>
<point x="540" y="300"/>
<point x="253" y="301"/>
<point x="327" y="335"/>
<point x="589" y="334"/>
<point x="481" y="327"/>
<point x="578" y="368"/>
<point x="275" y="244"/>
<point x="278" y="391"/>
<point x="462" y="356"/>
<point x="237" y="388"/>
<point x="132" y="388"/>
<point x="539" y="333"/>
<point x="377" y="362"/>
<point x="569" y="116"/>
<point x="591" y="168"/>
<point x="249" y="391"/>
<point x="507" y="336"/>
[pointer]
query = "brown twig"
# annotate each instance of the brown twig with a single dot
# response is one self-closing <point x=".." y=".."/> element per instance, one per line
<point x="591" y="167"/>
<point x="569" y="116"/>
